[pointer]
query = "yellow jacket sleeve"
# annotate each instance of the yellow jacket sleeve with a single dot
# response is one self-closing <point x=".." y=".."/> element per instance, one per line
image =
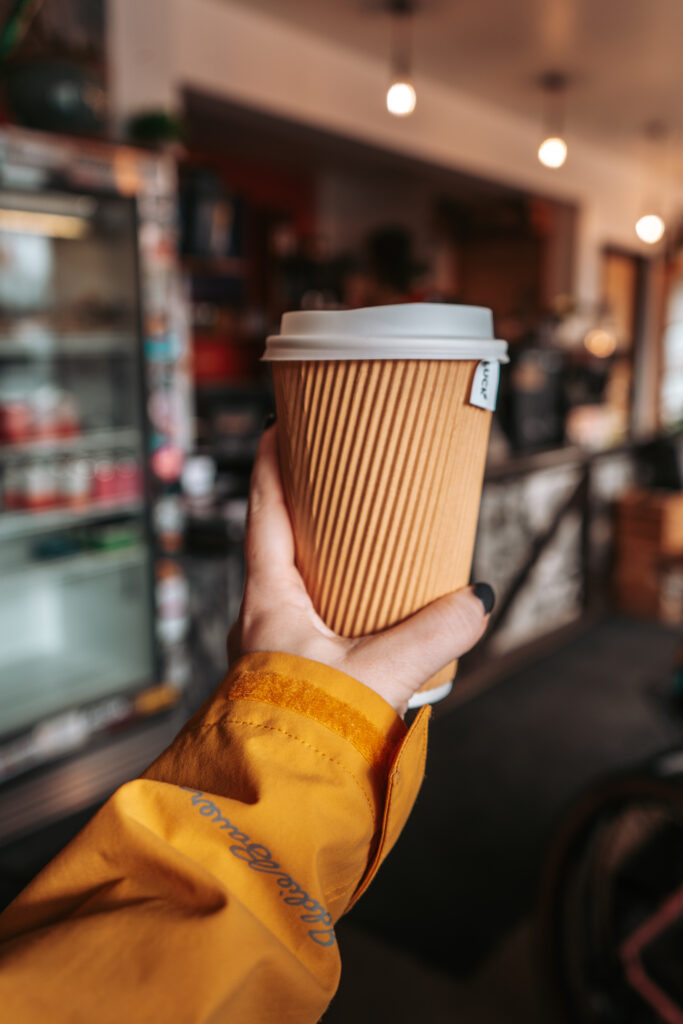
<point x="207" y="890"/>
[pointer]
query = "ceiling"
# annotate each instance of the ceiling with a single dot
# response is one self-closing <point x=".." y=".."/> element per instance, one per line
<point x="623" y="56"/>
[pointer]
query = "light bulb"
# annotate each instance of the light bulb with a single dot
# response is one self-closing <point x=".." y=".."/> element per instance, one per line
<point x="553" y="151"/>
<point x="650" y="228"/>
<point x="401" y="99"/>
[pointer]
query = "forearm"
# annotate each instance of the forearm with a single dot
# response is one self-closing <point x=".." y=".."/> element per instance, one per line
<point x="208" y="889"/>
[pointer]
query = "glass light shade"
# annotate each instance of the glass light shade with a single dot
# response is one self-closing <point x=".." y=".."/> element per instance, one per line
<point x="552" y="152"/>
<point x="401" y="99"/>
<point x="650" y="228"/>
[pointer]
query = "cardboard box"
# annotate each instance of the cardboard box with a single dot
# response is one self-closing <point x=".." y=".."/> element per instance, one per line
<point x="649" y="553"/>
<point x="651" y="519"/>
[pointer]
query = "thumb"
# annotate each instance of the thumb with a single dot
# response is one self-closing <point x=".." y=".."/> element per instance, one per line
<point x="399" y="660"/>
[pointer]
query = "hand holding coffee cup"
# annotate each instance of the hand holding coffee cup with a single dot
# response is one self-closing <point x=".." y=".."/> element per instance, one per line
<point x="277" y="612"/>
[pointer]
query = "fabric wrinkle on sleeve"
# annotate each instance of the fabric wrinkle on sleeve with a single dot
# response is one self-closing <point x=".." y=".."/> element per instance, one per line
<point x="345" y="723"/>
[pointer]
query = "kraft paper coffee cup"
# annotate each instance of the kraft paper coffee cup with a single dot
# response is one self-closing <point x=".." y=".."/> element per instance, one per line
<point x="383" y="423"/>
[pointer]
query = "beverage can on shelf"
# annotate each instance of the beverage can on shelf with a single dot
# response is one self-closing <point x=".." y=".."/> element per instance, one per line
<point x="16" y="421"/>
<point x="104" y="484"/>
<point x="128" y="484"/>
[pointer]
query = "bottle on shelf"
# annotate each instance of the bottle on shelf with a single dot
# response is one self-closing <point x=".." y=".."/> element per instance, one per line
<point x="198" y="482"/>
<point x="40" y="485"/>
<point x="173" y="602"/>
<point x="68" y="422"/>
<point x="169" y="522"/>
<point x="44" y="409"/>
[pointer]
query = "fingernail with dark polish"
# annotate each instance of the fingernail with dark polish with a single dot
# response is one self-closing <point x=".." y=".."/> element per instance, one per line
<point x="270" y="419"/>
<point x="486" y="594"/>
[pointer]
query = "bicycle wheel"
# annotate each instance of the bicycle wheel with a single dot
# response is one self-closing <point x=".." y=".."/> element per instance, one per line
<point x="611" y="915"/>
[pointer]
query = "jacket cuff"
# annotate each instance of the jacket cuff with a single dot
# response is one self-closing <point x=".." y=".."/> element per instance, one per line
<point x="358" y="715"/>
<point x="328" y="696"/>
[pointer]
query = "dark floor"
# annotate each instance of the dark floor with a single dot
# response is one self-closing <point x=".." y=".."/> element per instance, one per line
<point x="445" y="932"/>
<point x="449" y="914"/>
<point x="383" y="983"/>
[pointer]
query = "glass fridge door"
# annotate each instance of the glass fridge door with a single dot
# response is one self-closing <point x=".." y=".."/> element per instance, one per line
<point x="76" y="613"/>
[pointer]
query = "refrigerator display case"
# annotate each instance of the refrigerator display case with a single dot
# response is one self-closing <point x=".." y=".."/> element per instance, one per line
<point x="94" y="423"/>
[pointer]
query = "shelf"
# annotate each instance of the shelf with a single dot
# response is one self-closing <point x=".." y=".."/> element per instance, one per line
<point x="48" y="345"/>
<point x="91" y="563"/>
<point x="34" y="688"/>
<point x="92" y="440"/>
<point x="22" y="524"/>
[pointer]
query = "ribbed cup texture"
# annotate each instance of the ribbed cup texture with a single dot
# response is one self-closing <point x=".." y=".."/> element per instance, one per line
<point x="382" y="464"/>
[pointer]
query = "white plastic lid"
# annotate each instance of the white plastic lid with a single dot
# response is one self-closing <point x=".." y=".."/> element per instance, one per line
<point x="411" y="330"/>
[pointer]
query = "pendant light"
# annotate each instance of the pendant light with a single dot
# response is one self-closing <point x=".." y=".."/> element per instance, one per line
<point x="650" y="226"/>
<point x="401" y="95"/>
<point x="552" y="151"/>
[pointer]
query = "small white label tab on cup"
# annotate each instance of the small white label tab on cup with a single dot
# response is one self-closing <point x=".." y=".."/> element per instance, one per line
<point x="485" y="385"/>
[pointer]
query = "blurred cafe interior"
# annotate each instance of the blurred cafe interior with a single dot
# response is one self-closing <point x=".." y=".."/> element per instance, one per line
<point x="174" y="176"/>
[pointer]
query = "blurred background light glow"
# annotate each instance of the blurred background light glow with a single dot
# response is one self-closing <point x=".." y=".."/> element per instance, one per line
<point x="401" y="99"/>
<point x="650" y="228"/>
<point x="600" y="343"/>
<point x="552" y="152"/>
<point x="52" y="225"/>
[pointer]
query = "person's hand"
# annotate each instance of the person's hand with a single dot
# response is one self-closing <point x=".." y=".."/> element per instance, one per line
<point x="277" y="614"/>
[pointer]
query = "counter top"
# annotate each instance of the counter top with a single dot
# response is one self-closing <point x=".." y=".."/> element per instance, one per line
<point x="521" y="464"/>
